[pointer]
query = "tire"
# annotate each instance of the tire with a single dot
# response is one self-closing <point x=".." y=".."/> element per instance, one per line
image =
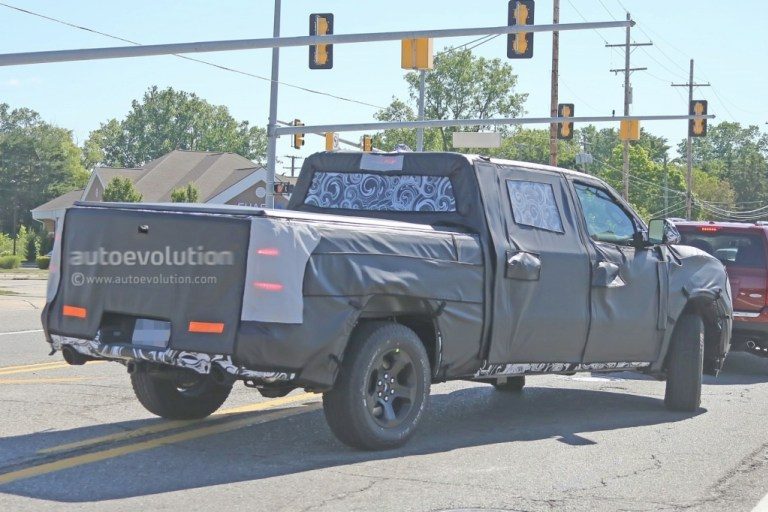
<point x="513" y="384"/>
<point x="685" y="365"/>
<point x="175" y="400"/>
<point x="370" y="408"/>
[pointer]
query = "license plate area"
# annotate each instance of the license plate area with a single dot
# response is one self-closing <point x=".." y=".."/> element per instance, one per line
<point x="128" y="329"/>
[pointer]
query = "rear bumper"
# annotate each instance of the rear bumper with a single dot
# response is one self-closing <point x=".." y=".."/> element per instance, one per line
<point x="750" y="331"/>
<point x="197" y="361"/>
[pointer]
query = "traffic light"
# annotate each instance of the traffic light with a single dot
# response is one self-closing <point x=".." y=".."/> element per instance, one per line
<point x="331" y="141"/>
<point x="367" y="143"/>
<point x="416" y="53"/>
<point x="565" y="129"/>
<point x="298" y="138"/>
<point x="520" y="45"/>
<point x="697" y="127"/>
<point x="281" y="187"/>
<point x="321" y="55"/>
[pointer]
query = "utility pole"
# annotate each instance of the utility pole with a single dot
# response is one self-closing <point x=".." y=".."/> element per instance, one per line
<point x="689" y="163"/>
<point x="666" y="179"/>
<point x="271" y="135"/>
<point x="422" y="91"/>
<point x="554" y="82"/>
<point x="293" y="162"/>
<point x="627" y="96"/>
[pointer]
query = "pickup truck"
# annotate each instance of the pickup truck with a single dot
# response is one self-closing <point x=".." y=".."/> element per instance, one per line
<point x="387" y="273"/>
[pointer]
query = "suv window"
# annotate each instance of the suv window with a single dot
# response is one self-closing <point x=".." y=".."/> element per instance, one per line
<point x="733" y="249"/>
<point x="606" y="220"/>
<point x="378" y="192"/>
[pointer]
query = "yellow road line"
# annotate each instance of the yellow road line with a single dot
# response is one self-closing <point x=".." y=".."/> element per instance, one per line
<point x="174" y="424"/>
<point x="11" y="370"/>
<point x="4" y="368"/>
<point x="41" y="381"/>
<point x="79" y="460"/>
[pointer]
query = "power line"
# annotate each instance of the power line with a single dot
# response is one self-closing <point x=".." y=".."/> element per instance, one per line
<point x="200" y="61"/>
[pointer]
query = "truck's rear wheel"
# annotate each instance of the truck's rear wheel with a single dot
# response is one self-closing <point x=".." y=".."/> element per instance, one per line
<point x="382" y="390"/>
<point x="685" y="365"/>
<point x="192" y="397"/>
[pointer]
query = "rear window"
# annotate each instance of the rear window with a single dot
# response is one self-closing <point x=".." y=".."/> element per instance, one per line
<point x="733" y="249"/>
<point x="381" y="192"/>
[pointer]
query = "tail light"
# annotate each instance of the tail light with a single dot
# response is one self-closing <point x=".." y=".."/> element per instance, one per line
<point x="268" y="287"/>
<point x="206" y="327"/>
<point x="74" y="311"/>
<point x="709" y="229"/>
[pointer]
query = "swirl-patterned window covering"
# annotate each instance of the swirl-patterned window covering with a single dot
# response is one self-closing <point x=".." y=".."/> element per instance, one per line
<point x="533" y="204"/>
<point x="381" y="192"/>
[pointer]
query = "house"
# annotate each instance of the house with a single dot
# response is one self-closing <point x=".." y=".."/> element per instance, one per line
<point x="221" y="178"/>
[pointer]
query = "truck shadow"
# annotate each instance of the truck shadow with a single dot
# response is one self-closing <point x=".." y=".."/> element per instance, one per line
<point x="741" y="368"/>
<point x="469" y="417"/>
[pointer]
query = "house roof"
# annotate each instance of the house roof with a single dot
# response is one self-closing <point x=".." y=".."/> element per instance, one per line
<point x="61" y="202"/>
<point x="209" y="171"/>
<point x="212" y="173"/>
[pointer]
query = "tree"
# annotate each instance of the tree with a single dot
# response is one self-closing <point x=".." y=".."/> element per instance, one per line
<point x="121" y="190"/>
<point x="165" y="120"/>
<point x="38" y="161"/>
<point x="188" y="194"/>
<point x="461" y="86"/>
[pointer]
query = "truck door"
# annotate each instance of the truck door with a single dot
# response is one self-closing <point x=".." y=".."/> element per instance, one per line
<point x="626" y="282"/>
<point x="546" y="271"/>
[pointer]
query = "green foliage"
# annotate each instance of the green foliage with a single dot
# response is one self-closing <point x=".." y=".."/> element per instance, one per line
<point x="188" y="194"/>
<point x="8" y="262"/>
<point x="46" y="243"/>
<point x="31" y="246"/>
<point x="460" y="86"/>
<point x="121" y="190"/>
<point x="165" y="120"/>
<point x="43" y="262"/>
<point x="38" y="161"/>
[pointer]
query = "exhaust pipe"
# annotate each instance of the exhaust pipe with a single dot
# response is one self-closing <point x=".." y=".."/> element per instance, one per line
<point x="74" y="357"/>
<point x="751" y="344"/>
<point x="220" y="376"/>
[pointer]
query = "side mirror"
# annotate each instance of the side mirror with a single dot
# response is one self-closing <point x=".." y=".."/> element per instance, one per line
<point x="662" y="231"/>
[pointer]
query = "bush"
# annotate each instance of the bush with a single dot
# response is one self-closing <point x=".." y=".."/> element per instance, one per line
<point x="46" y="243"/>
<point x="5" y="253"/>
<point x="10" y="261"/>
<point x="43" y="262"/>
<point x="31" y="246"/>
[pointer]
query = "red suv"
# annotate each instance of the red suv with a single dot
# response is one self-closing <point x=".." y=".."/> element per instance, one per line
<point x="743" y="249"/>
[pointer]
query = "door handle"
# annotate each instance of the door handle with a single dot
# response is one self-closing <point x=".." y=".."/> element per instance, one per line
<point x="524" y="266"/>
<point x="606" y="275"/>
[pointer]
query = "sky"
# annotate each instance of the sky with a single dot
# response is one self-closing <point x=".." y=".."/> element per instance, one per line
<point x="727" y="40"/>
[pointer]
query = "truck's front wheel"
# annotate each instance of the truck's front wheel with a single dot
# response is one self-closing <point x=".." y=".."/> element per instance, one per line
<point x="193" y="397"/>
<point x="685" y="365"/>
<point x="382" y="389"/>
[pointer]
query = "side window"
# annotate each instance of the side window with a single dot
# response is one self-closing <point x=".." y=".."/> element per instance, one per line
<point x="533" y="204"/>
<point x="606" y="220"/>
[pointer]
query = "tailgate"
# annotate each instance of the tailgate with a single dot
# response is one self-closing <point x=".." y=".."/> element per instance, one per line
<point x="118" y="266"/>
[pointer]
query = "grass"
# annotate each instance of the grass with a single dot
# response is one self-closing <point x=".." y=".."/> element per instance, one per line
<point x="24" y="273"/>
<point x="7" y="292"/>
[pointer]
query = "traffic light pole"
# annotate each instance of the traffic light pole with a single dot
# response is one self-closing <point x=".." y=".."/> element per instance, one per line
<point x="272" y="126"/>
<point x="554" y="84"/>
<point x="688" y="148"/>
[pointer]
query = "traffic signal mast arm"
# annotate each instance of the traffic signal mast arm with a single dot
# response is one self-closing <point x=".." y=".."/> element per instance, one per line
<point x="118" y="52"/>
<point x="438" y="123"/>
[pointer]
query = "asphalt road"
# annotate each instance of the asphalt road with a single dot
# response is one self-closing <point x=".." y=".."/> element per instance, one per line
<point x="75" y="438"/>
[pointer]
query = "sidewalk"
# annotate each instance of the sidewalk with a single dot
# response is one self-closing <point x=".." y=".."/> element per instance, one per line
<point x="22" y="290"/>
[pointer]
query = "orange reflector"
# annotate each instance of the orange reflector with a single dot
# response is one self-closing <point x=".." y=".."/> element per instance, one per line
<point x="206" y="327"/>
<point x="268" y="287"/>
<point x="268" y="251"/>
<point x="74" y="311"/>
